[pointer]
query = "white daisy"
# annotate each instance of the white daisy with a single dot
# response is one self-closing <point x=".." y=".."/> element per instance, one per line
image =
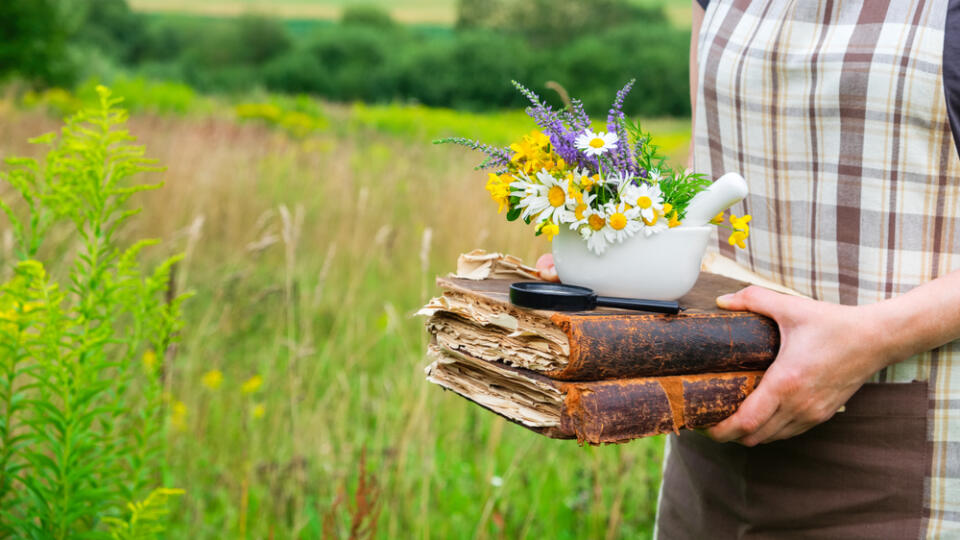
<point x="661" y="224"/>
<point x="620" y="179"/>
<point x="595" y="231"/>
<point x="646" y="198"/>
<point x="582" y="210"/>
<point x="622" y="221"/>
<point x="546" y="199"/>
<point x="594" y="144"/>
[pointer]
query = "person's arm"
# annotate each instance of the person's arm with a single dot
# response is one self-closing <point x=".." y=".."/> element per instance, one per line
<point x="827" y="352"/>
<point x="545" y="262"/>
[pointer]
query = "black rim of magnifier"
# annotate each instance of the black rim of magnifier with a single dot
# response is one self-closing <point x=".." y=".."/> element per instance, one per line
<point x="555" y="296"/>
<point x="560" y="297"/>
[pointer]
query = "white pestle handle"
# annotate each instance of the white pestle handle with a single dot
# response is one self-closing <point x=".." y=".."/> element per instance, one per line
<point x="727" y="191"/>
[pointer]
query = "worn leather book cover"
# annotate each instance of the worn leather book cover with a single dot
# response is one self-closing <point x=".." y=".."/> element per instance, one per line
<point x="475" y="317"/>
<point x="594" y="412"/>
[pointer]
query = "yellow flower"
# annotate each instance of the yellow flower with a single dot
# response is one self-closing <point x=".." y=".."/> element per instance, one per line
<point x="674" y="220"/>
<point x="586" y="182"/>
<point x="178" y="415"/>
<point x="667" y="208"/>
<point x="212" y="379"/>
<point x="740" y="224"/>
<point x="550" y="230"/>
<point x="258" y="410"/>
<point x="499" y="188"/>
<point x="717" y="219"/>
<point x="252" y="385"/>
<point x="149" y="360"/>
<point x="737" y="239"/>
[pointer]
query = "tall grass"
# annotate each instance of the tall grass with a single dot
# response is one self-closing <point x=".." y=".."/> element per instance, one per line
<point x="307" y="257"/>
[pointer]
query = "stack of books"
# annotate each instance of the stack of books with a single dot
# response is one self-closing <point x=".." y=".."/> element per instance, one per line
<point x="603" y="376"/>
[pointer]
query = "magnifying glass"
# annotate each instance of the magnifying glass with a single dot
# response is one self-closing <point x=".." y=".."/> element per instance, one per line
<point x="559" y="297"/>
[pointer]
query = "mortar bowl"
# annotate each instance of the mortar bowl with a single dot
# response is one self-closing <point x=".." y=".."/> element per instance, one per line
<point x="663" y="266"/>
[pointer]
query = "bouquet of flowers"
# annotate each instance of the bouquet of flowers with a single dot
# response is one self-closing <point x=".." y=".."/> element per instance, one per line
<point x="607" y="186"/>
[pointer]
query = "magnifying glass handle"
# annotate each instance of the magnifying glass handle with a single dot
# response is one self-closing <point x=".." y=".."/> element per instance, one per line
<point x="656" y="306"/>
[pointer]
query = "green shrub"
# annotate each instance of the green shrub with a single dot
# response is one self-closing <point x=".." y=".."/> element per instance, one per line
<point x="81" y="415"/>
<point x="367" y="15"/>
<point x="593" y="68"/>
<point x="471" y="71"/>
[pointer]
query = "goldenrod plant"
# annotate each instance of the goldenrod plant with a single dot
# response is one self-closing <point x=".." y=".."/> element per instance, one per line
<point x="81" y="416"/>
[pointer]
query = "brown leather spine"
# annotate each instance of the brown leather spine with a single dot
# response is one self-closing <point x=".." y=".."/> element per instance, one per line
<point x="616" y="345"/>
<point x="618" y="411"/>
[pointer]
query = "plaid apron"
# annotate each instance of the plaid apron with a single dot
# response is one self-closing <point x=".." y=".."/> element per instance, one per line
<point x="834" y="112"/>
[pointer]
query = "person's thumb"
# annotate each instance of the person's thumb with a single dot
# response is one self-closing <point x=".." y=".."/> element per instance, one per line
<point x="546" y="269"/>
<point x="755" y="299"/>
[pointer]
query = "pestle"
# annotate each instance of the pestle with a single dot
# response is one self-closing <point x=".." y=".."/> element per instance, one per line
<point x="727" y="191"/>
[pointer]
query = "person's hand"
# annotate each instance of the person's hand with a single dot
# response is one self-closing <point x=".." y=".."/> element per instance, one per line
<point x="545" y="266"/>
<point x="827" y="352"/>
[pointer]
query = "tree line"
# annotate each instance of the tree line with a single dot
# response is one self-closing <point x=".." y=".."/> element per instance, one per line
<point x="588" y="48"/>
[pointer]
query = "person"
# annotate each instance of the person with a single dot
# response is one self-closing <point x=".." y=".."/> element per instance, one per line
<point x="843" y="116"/>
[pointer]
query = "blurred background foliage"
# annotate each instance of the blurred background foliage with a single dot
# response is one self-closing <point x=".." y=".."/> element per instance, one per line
<point x="314" y="214"/>
<point x="589" y="48"/>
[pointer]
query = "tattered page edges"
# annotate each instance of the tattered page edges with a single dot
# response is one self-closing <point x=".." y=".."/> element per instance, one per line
<point x="479" y="265"/>
<point x="484" y="329"/>
<point x="523" y="399"/>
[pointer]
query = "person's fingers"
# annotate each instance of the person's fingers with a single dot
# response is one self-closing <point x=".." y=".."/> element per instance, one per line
<point x="792" y="429"/>
<point x="754" y="412"/>
<point x="546" y="269"/>
<point x="755" y="299"/>
<point x="772" y="427"/>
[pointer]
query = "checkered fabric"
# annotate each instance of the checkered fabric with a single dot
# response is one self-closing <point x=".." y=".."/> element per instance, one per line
<point x="834" y="112"/>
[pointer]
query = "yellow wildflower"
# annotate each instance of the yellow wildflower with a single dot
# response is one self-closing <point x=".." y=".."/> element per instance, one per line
<point x="212" y="379"/>
<point x="737" y="239"/>
<point x="667" y="208"/>
<point x="252" y="385"/>
<point x="149" y="361"/>
<point x="499" y="188"/>
<point x="258" y="410"/>
<point x="717" y="219"/>
<point x="674" y="220"/>
<point x="740" y="224"/>
<point x="178" y="415"/>
<point x="550" y="230"/>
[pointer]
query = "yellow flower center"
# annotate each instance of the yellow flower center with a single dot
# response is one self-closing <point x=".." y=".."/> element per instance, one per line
<point x="651" y="222"/>
<point x="596" y="222"/>
<point x="618" y="221"/>
<point x="556" y="196"/>
<point x="597" y="142"/>
<point x="581" y="208"/>
<point x="644" y="202"/>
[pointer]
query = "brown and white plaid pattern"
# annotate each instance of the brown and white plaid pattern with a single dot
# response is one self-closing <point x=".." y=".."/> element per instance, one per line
<point x="834" y="112"/>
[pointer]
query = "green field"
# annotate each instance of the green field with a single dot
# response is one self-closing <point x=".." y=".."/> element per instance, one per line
<point x="410" y="11"/>
<point x="308" y="255"/>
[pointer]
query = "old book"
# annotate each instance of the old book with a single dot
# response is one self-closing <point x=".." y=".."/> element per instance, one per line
<point x="476" y="318"/>
<point x="594" y="412"/>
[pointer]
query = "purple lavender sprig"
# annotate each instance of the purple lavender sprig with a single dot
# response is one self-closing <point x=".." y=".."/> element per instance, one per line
<point x="561" y="137"/>
<point x="496" y="156"/>
<point x="621" y="157"/>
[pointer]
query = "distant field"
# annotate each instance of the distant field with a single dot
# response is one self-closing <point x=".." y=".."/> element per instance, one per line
<point x="408" y="11"/>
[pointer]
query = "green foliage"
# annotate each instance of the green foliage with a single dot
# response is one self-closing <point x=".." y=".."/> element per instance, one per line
<point x="147" y="517"/>
<point x="298" y="116"/>
<point x="554" y="22"/>
<point x="83" y="422"/>
<point x="34" y="38"/>
<point x="367" y="15"/>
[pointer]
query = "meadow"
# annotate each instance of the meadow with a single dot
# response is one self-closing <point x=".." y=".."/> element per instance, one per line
<point x="309" y="248"/>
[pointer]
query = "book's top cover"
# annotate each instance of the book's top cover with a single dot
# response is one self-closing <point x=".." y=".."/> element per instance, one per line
<point x="609" y="343"/>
